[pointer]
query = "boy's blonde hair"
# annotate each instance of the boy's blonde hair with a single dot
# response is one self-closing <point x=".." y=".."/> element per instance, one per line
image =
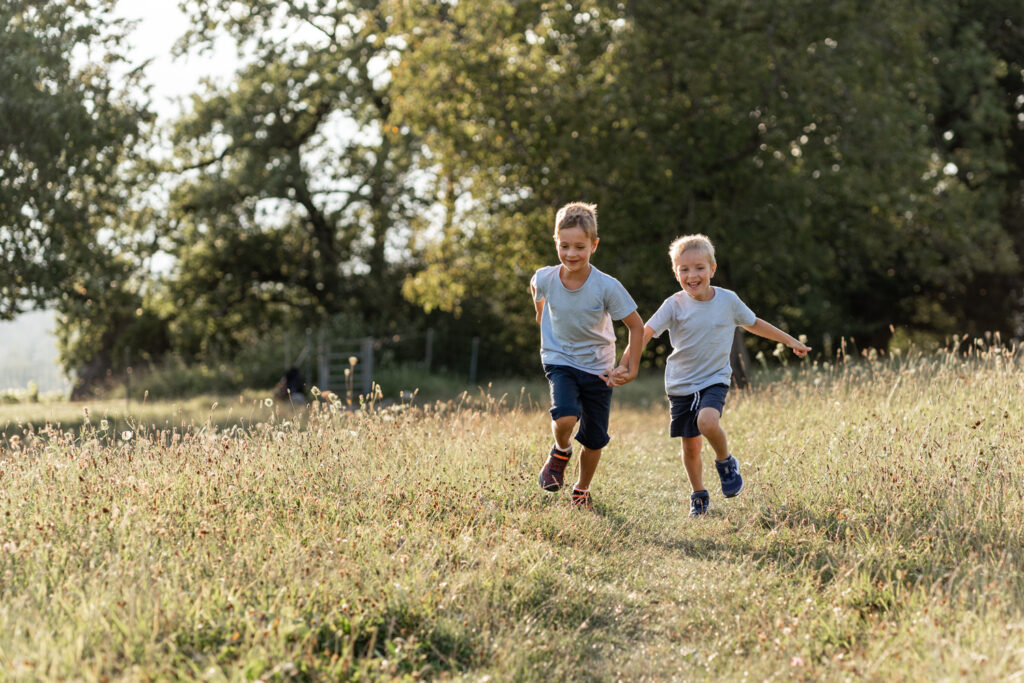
<point x="697" y="242"/>
<point x="577" y="215"/>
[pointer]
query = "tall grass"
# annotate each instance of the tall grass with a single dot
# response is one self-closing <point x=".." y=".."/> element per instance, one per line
<point x="879" y="537"/>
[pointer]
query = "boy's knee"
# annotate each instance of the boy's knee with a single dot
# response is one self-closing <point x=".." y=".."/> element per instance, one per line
<point x="566" y="421"/>
<point x="707" y="419"/>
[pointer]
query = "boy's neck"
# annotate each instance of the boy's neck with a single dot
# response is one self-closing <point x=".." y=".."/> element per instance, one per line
<point x="574" y="280"/>
<point x="709" y="297"/>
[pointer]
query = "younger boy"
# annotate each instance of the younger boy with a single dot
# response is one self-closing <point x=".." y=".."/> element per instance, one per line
<point x="701" y="321"/>
<point x="575" y="304"/>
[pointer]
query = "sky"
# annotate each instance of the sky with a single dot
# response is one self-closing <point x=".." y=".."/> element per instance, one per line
<point x="161" y="23"/>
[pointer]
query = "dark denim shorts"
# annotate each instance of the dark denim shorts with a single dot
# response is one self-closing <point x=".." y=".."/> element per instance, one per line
<point x="584" y="395"/>
<point x="684" y="409"/>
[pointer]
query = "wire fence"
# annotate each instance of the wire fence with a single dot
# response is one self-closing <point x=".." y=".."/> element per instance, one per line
<point x="348" y="366"/>
<point x="338" y="364"/>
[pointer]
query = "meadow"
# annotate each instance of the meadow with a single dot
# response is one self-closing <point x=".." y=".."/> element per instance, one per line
<point x="879" y="537"/>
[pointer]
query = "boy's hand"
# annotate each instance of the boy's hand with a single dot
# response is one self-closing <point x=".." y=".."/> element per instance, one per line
<point x="799" y="348"/>
<point x="618" y="376"/>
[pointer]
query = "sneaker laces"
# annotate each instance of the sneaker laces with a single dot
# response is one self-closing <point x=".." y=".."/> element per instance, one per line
<point x="730" y="468"/>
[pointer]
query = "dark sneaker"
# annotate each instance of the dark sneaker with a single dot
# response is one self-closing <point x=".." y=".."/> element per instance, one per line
<point x="582" y="499"/>
<point x="729" y="473"/>
<point x="699" y="501"/>
<point x="553" y="472"/>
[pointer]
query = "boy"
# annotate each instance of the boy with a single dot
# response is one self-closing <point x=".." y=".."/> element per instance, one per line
<point x="701" y="321"/>
<point x="575" y="304"/>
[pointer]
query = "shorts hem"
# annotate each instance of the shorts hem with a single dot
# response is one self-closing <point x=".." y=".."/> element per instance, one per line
<point x="594" y="448"/>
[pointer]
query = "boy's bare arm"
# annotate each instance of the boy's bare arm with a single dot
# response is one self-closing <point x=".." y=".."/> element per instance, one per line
<point x="765" y="329"/>
<point x="539" y="305"/>
<point x="629" y="365"/>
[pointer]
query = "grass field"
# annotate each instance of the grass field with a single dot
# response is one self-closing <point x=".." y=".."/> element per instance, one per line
<point x="879" y="537"/>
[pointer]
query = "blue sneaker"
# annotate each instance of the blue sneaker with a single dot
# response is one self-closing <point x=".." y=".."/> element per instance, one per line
<point x="699" y="501"/>
<point x="729" y="473"/>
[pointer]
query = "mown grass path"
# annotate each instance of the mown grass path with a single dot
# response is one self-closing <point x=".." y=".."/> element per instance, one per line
<point x="879" y="537"/>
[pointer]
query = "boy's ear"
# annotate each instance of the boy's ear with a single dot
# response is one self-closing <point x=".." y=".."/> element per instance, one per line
<point x="594" y="247"/>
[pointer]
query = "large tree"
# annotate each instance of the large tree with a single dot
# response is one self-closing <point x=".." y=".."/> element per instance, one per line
<point x="293" y="192"/>
<point x="979" y="128"/>
<point x="69" y="121"/>
<point x="799" y="136"/>
<point x="75" y="236"/>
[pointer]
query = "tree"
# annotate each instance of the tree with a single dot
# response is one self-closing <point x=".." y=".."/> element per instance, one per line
<point x="979" y="129"/>
<point x="66" y="133"/>
<point x="799" y="136"/>
<point x="292" y="185"/>
<point x="72" y="127"/>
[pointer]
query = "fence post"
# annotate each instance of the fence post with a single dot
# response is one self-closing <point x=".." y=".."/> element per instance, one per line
<point x="308" y="360"/>
<point x="430" y="347"/>
<point x="367" y="353"/>
<point x="473" y="360"/>
<point x="324" y="380"/>
<point x="127" y="376"/>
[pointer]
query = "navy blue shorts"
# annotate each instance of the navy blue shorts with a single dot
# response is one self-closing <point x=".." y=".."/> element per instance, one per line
<point x="584" y="395"/>
<point x="684" y="409"/>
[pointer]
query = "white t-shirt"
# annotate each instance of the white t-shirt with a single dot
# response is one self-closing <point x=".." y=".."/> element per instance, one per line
<point x="701" y="333"/>
<point x="576" y="324"/>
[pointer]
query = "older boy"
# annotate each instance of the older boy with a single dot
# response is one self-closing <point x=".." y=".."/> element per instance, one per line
<point x="701" y="321"/>
<point x="575" y="305"/>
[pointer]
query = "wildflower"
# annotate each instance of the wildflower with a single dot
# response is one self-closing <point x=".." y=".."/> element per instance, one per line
<point x="268" y="402"/>
<point x="126" y="435"/>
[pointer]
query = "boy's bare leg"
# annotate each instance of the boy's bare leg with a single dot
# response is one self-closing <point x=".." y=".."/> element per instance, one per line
<point x="691" y="461"/>
<point x="708" y="424"/>
<point x="588" y="465"/>
<point x="561" y="429"/>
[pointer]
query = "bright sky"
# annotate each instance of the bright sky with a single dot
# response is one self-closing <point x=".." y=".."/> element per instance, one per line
<point x="161" y="23"/>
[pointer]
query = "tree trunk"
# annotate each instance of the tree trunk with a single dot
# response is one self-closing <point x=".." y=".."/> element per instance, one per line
<point x="739" y="358"/>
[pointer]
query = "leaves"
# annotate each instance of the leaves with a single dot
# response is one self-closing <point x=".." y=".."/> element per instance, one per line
<point x="66" y="133"/>
<point x="801" y="138"/>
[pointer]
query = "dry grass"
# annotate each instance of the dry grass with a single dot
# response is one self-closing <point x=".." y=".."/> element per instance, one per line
<point x="879" y="537"/>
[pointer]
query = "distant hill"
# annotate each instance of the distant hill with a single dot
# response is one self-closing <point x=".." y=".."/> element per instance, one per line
<point x="28" y="352"/>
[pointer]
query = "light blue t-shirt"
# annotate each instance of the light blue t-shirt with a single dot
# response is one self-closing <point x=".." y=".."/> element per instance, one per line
<point x="576" y="324"/>
<point x="701" y="333"/>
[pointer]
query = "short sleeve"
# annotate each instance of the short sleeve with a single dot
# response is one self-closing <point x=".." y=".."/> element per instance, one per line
<point x="742" y="315"/>
<point x="662" y="318"/>
<point x="538" y="294"/>
<point x="618" y="301"/>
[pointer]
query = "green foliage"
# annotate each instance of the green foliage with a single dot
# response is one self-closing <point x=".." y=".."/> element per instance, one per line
<point x="401" y="162"/>
<point x="73" y="134"/>
<point x="289" y="185"/>
<point x="800" y="137"/>
<point x="69" y="124"/>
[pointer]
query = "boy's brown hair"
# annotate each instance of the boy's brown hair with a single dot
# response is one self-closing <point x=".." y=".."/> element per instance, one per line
<point x="695" y="242"/>
<point x="577" y="215"/>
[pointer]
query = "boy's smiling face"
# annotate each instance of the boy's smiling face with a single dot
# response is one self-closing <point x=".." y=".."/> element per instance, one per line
<point x="574" y="249"/>
<point x="693" y="270"/>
